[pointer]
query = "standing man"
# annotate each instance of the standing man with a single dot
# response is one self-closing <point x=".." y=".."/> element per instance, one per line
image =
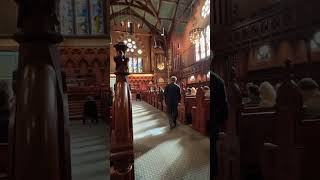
<point x="219" y="109"/>
<point x="90" y="110"/>
<point x="172" y="97"/>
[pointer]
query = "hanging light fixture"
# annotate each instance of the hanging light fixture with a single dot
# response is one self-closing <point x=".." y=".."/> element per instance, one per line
<point x="195" y="35"/>
<point x="162" y="34"/>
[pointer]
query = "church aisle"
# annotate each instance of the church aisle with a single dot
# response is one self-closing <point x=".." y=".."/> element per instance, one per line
<point x="89" y="151"/>
<point x="164" y="154"/>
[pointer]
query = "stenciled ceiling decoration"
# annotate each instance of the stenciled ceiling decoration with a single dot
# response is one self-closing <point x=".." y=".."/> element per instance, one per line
<point x="153" y="15"/>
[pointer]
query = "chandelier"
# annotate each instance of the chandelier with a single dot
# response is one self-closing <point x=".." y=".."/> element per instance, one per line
<point x="195" y="35"/>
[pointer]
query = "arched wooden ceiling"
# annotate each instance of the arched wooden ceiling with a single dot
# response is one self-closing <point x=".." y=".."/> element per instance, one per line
<point x="153" y="15"/>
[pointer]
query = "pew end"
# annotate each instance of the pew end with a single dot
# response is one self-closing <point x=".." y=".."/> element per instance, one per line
<point x="4" y="160"/>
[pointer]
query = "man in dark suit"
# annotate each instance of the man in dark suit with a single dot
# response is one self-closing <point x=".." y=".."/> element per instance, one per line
<point x="90" y="110"/>
<point x="172" y="97"/>
<point x="219" y="110"/>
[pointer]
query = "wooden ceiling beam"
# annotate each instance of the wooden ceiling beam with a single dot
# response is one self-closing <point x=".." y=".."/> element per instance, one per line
<point x="140" y="6"/>
<point x="114" y="21"/>
<point x="174" y="20"/>
<point x="154" y="9"/>
<point x="177" y="22"/>
<point x="158" y="12"/>
<point x="144" y="16"/>
<point x="128" y="11"/>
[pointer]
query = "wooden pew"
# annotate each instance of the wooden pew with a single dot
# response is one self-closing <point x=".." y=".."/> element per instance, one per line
<point x="151" y="98"/>
<point x="201" y="112"/>
<point x="4" y="160"/>
<point x="293" y="153"/>
<point x="190" y="101"/>
<point x="255" y="127"/>
<point x="155" y="97"/>
<point x="164" y="106"/>
<point x="228" y="144"/>
<point x="160" y="101"/>
<point x="181" y="110"/>
<point x="251" y="128"/>
<point x="276" y="143"/>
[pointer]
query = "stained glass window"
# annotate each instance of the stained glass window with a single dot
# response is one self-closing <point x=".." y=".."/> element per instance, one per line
<point x="66" y="17"/>
<point x="205" y="9"/>
<point x="139" y="64"/>
<point x="134" y="54"/>
<point x="197" y="47"/>
<point x="208" y="40"/>
<point x="81" y="17"/>
<point x="135" y="65"/>
<point x="96" y="9"/>
<point x="130" y="65"/>
<point x="135" y="62"/>
<point x="202" y="46"/>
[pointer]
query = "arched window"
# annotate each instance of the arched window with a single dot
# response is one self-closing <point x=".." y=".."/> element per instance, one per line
<point x="208" y="40"/>
<point x="202" y="46"/>
<point x="205" y="9"/>
<point x="135" y="56"/>
<point x="197" y="48"/>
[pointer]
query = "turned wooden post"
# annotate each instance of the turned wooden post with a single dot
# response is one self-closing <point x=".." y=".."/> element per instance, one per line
<point x="122" y="154"/>
<point x="41" y="136"/>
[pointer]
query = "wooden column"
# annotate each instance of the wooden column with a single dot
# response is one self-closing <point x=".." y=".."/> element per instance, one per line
<point x="40" y="146"/>
<point x="122" y="155"/>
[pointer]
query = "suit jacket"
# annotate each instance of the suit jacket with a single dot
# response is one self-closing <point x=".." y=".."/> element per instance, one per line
<point x="4" y="126"/>
<point x="90" y="108"/>
<point x="172" y="94"/>
<point x="219" y="106"/>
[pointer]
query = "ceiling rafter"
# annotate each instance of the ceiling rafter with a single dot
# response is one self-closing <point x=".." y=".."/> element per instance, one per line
<point x="144" y="15"/>
<point x="152" y="12"/>
<point x="140" y="6"/>
<point x="129" y="11"/>
<point x="174" y="19"/>
<point x="177" y="22"/>
<point x="112" y="11"/>
<point x="158" y="11"/>
<point x="154" y="9"/>
<point x="148" y="13"/>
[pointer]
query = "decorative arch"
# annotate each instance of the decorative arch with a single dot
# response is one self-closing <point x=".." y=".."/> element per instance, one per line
<point x="83" y="67"/>
<point x="69" y="67"/>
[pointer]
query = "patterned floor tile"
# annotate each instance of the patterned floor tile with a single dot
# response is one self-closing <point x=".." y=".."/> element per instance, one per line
<point x="164" y="154"/>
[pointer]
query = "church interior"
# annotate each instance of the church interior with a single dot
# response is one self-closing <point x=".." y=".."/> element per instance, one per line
<point x="84" y="89"/>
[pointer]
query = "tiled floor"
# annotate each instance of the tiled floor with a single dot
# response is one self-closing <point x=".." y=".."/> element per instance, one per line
<point x="164" y="154"/>
<point x="89" y="151"/>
